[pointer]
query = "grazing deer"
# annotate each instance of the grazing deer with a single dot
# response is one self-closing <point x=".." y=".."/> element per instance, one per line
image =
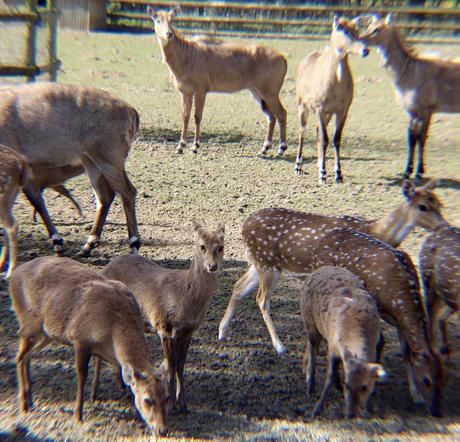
<point x="174" y="301"/>
<point x="64" y="128"/>
<point x="335" y="307"/>
<point x="14" y="173"/>
<point x="199" y="66"/>
<point x="61" y="300"/>
<point x="282" y="239"/>
<point x="325" y="87"/>
<point x="390" y="277"/>
<point x="439" y="263"/>
<point x="424" y="85"/>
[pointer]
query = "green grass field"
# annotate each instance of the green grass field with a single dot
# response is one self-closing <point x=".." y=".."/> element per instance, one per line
<point x="239" y="389"/>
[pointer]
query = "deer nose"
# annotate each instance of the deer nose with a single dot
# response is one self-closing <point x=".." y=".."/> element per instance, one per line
<point x="163" y="432"/>
<point x="212" y="267"/>
<point x="169" y="35"/>
<point x="365" y="52"/>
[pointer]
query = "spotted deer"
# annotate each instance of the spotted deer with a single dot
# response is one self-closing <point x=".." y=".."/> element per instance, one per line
<point x="282" y="239"/>
<point x="174" y="302"/>
<point x="439" y="263"/>
<point x="199" y="66"/>
<point x="324" y="86"/>
<point x="336" y="307"/>
<point x="68" y="129"/>
<point x="61" y="300"/>
<point x="390" y="277"/>
<point x="14" y="173"/>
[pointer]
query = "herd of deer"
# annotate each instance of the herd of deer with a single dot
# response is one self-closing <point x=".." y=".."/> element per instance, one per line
<point x="354" y="272"/>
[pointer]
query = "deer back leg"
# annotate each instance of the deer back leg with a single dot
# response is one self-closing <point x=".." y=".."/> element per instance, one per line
<point x="412" y="136"/>
<point x="423" y="134"/>
<point x="322" y="142"/>
<point x="182" y="346"/>
<point x="186" y="102"/>
<point x="200" y="98"/>
<point x="245" y="285"/>
<point x="331" y="369"/>
<point x="276" y="108"/>
<point x="271" y="121"/>
<point x="303" y="117"/>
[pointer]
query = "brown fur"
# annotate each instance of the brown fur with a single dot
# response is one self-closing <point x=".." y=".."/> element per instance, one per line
<point x="62" y="128"/>
<point x="282" y="239"/>
<point x="391" y="278"/>
<point x="14" y="172"/>
<point x="325" y="87"/>
<point x="424" y="85"/>
<point x="61" y="300"/>
<point x="174" y="302"/>
<point x="439" y="262"/>
<point x="335" y="307"/>
<point x="199" y="66"/>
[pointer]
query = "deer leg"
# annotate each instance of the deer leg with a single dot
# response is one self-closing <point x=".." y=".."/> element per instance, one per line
<point x="95" y="382"/>
<point x="309" y="360"/>
<point x="379" y="348"/>
<point x="245" y="285"/>
<point x="331" y="368"/>
<point x="169" y="351"/>
<point x="199" y="106"/>
<point x="5" y="251"/>
<point x="62" y="190"/>
<point x="303" y="117"/>
<point x="12" y="241"/>
<point x="35" y="197"/>
<point x="411" y="141"/>
<point x="182" y="346"/>
<point x="266" y="286"/>
<point x="339" y="124"/>
<point x="442" y="325"/>
<point x="276" y="108"/>
<point x="322" y="142"/>
<point x="271" y="121"/>
<point x="82" y="357"/>
<point x="425" y="125"/>
<point x="187" y="100"/>
<point x="9" y="250"/>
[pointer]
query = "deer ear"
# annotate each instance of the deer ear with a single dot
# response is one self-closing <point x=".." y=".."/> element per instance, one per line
<point x="196" y="225"/>
<point x="151" y="12"/>
<point x="408" y="190"/>
<point x="127" y="374"/>
<point x="335" y="22"/>
<point x="378" y="371"/>
<point x="432" y="184"/>
<point x="389" y="19"/>
<point x="220" y="228"/>
<point x="174" y="11"/>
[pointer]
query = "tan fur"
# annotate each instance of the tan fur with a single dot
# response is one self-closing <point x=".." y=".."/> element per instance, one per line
<point x="62" y="128"/>
<point x="391" y="278"/>
<point x="335" y="307"/>
<point x="61" y="300"/>
<point x="324" y="86"/>
<point x="282" y="239"/>
<point x="13" y="174"/>
<point x="439" y="262"/>
<point x="174" y="302"/>
<point x="199" y="66"/>
<point x="424" y="85"/>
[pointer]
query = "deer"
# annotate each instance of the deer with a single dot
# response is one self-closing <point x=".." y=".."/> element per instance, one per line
<point x="277" y="239"/>
<point x="67" y="129"/>
<point x="390" y="277"/>
<point x="336" y="308"/>
<point x="439" y="264"/>
<point x="57" y="299"/>
<point x="324" y="86"/>
<point x="14" y="172"/>
<point x="199" y="66"/>
<point x="174" y="302"/>
<point x="424" y="85"/>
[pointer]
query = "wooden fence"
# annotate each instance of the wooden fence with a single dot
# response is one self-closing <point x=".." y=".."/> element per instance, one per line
<point x="283" y="21"/>
<point x="33" y="17"/>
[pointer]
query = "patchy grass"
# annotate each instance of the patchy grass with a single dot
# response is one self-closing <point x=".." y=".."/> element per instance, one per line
<point x="239" y="389"/>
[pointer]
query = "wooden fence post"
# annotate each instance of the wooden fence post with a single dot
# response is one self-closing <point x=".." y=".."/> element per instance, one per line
<point x="31" y="40"/>
<point x="51" y="41"/>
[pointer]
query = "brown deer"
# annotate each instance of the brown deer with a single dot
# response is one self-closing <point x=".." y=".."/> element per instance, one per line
<point x="425" y="85"/>
<point x="325" y="87"/>
<point x="199" y="66"/>
<point x="283" y="239"/>
<point x="61" y="300"/>
<point x="390" y="277"/>
<point x="335" y="307"/>
<point x="14" y="173"/>
<point x="65" y="128"/>
<point x="174" y="302"/>
<point x="439" y="263"/>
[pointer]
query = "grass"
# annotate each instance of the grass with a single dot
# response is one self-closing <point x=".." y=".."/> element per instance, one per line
<point x="239" y="389"/>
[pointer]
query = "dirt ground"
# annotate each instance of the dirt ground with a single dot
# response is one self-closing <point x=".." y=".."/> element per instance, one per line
<point x="239" y="389"/>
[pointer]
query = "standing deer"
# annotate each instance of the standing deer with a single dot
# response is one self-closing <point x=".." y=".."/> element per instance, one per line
<point x="14" y="173"/>
<point x="282" y="239"/>
<point x="424" y="85"/>
<point x="199" y="66"/>
<point x="66" y="128"/>
<point x="439" y="263"/>
<point x="336" y="307"/>
<point x="390" y="277"/>
<point x="174" y="301"/>
<point x="325" y="87"/>
<point x="61" y="300"/>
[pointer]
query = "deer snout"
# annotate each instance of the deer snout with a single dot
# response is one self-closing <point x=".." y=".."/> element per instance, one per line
<point x="365" y="52"/>
<point x="163" y="432"/>
<point x="212" y="267"/>
<point x="169" y="35"/>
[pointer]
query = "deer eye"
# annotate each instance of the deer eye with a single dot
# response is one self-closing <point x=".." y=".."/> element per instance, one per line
<point x="203" y="247"/>
<point x="427" y="382"/>
<point x="220" y="249"/>
<point x="148" y="402"/>
<point x="376" y="30"/>
<point x="363" y="388"/>
<point x="423" y="208"/>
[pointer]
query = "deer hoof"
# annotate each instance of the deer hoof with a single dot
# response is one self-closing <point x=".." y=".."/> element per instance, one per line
<point x="298" y="171"/>
<point x="339" y="179"/>
<point x="282" y="148"/>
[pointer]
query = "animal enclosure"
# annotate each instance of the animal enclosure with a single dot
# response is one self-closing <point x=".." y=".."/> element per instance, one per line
<point x="239" y="388"/>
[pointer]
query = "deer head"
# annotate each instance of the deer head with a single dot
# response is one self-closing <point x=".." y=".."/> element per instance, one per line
<point x="344" y="38"/>
<point x="210" y="247"/>
<point x="378" y="30"/>
<point x="162" y="22"/>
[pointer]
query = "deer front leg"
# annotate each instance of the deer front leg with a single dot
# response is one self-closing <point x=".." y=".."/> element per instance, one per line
<point x="169" y="350"/>
<point x="331" y="368"/>
<point x="200" y="98"/>
<point x="182" y="346"/>
<point x="411" y="141"/>
<point x="322" y="142"/>
<point x="303" y="117"/>
<point x="339" y="125"/>
<point x="187" y="100"/>
<point x="425" y="125"/>
<point x="82" y="357"/>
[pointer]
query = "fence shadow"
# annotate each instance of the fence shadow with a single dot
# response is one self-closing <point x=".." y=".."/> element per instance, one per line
<point x="444" y="183"/>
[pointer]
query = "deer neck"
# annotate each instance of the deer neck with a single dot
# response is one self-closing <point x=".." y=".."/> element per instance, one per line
<point x="197" y="280"/>
<point x="393" y="227"/>
<point x="130" y="349"/>
<point x="176" y="52"/>
<point x="358" y="348"/>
